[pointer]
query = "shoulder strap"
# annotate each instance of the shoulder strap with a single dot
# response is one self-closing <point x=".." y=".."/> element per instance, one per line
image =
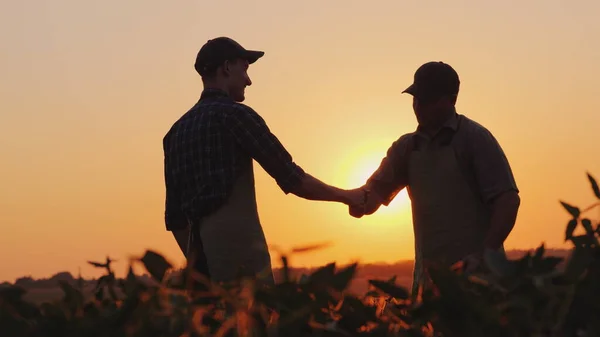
<point x="466" y="167"/>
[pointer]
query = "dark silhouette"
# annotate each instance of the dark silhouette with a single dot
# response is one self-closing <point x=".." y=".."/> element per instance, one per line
<point x="464" y="196"/>
<point x="210" y="198"/>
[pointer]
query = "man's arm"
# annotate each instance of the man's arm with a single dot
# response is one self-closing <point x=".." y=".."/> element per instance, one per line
<point x="388" y="180"/>
<point x="312" y="188"/>
<point x="496" y="184"/>
<point x="252" y="133"/>
<point x="504" y="215"/>
<point x="372" y="203"/>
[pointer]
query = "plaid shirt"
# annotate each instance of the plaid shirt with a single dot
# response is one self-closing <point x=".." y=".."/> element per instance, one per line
<point x="206" y="149"/>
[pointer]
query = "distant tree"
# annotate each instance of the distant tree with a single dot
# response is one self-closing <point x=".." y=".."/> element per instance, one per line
<point x="63" y="276"/>
<point x="26" y="281"/>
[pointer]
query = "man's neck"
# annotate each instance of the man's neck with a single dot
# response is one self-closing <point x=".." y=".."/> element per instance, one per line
<point x="215" y="86"/>
<point x="445" y="116"/>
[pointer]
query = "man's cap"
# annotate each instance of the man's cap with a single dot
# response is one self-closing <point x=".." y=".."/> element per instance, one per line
<point x="218" y="50"/>
<point x="434" y="79"/>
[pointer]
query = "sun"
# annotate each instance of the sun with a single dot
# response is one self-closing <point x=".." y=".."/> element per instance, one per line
<point x="362" y="167"/>
<point x="389" y="224"/>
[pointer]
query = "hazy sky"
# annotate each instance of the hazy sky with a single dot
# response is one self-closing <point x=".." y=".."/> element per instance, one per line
<point x="89" y="88"/>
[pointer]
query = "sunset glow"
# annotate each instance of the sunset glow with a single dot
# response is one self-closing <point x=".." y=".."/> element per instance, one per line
<point x="90" y="88"/>
<point x="364" y="168"/>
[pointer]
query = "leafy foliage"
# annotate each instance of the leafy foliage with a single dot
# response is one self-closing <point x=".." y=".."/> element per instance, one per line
<point x="530" y="296"/>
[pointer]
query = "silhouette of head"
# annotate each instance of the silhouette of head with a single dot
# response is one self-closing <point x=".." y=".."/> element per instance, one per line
<point x="435" y="90"/>
<point x="223" y="63"/>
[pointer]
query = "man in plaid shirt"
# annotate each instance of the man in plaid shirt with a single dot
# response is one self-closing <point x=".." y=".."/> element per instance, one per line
<point x="210" y="198"/>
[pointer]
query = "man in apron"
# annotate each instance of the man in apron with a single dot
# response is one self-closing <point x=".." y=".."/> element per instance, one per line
<point x="208" y="165"/>
<point x="463" y="194"/>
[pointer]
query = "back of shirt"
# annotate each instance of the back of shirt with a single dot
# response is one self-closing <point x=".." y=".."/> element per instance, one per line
<point x="206" y="149"/>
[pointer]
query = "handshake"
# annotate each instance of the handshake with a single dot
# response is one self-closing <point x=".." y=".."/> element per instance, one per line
<point x="357" y="200"/>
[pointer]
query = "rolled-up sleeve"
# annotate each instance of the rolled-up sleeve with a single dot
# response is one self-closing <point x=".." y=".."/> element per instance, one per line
<point x="491" y="167"/>
<point x="252" y="134"/>
<point x="392" y="174"/>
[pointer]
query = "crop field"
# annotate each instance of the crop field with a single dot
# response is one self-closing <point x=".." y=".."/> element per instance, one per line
<point x="534" y="293"/>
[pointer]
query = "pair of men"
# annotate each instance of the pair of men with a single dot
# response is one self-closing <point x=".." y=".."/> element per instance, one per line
<point x="464" y="197"/>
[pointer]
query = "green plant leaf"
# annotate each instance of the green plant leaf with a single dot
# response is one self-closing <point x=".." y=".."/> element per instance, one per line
<point x="73" y="297"/>
<point x="578" y="262"/>
<point x="102" y="281"/>
<point x="310" y="248"/>
<point x="323" y="274"/>
<point x="497" y="262"/>
<point x="303" y="279"/>
<point x="356" y="310"/>
<point x="155" y="264"/>
<point x="448" y="286"/>
<point x="372" y="293"/>
<point x="539" y="252"/>
<point x="546" y="265"/>
<point x="112" y="292"/>
<point x="390" y="289"/>
<point x="594" y="184"/>
<point x="574" y="211"/>
<point x="342" y="279"/>
<point x="587" y="224"/>
<point x="130" y="284"/>
<point x="570" y="229"/>
<point x="355" y="315"/>
<point x="582" y="240"/>
<point x="99" y="294"/>
<point x="97" y="264"/>
<point x="286" y="269"/>
<point x="523" y="264"/>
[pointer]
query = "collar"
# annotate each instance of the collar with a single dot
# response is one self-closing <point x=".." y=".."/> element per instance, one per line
<point x="213" y="93"/>
<point x="451" y="123"/>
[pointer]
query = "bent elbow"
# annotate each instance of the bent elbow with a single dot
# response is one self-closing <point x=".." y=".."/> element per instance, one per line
<point x="515" y="199"/>
<point x="507" y="199"/>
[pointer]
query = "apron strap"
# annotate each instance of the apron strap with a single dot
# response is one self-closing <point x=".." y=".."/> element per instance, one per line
<point x="195" y="250"/>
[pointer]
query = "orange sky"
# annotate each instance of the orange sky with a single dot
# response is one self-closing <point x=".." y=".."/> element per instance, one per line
<point x="88" y="90"/>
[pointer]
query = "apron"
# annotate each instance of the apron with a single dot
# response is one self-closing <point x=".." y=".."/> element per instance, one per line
<point x="232" y="238"/>
<point x="450" y="220"/>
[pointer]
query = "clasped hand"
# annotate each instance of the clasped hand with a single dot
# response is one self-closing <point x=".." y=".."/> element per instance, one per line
<point x="357" y="201"/>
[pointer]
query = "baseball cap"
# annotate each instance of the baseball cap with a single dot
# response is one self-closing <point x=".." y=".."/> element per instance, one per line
<point x="218" y="50"/>
<point x="434" y="79"/>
